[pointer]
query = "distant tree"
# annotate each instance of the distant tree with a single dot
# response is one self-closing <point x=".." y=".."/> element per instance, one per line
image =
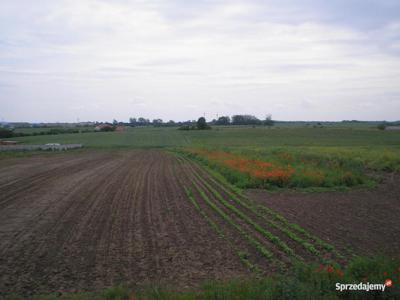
<point x="224" y="120"/>
<point x="381" y="126"/>
<point x="187" y="127"/>
<point x="108" y="128"/>
<point x="132" y="121"/>
<point x="201" y="123"/>
<point x="143" y="121"/>
<point x="171" y="123"/>
<point x="268" y="121"/>
<point x="115" y="122"/>
<point x="5" y="133"/>
<point x="245" y="120"/>
<point x="157" y="122"/>
<point x="189" y="122"/>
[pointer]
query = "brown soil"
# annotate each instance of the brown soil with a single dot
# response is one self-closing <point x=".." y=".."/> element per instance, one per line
<point x="279" y="255"/>
<point x="362" y="222"/>
<point x="85" y="221"/>
<point x="72" y="223"/>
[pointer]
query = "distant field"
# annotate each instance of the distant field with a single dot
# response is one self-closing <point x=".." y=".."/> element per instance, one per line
<point x="133" y="137"/>
<point x="313" y="152"/>
<point x="46" y="129"/>
<point x="33" y="130"/>
<point x="227" y="136"/>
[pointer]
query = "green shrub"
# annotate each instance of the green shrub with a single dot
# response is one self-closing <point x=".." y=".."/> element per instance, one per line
<point x="5" y="133"/>
<point x="381" y="126"/>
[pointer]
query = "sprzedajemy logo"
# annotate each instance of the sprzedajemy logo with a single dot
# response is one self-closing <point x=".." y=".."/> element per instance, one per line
<point x="363" y="286"/>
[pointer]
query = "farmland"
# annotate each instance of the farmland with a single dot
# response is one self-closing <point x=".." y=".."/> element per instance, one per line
<point x="130" y="217"/>
<point x="314" y="150"/>
<point x="228" y="136"/>
<point x="121" y="217"/>
<point x="159" y="206"/>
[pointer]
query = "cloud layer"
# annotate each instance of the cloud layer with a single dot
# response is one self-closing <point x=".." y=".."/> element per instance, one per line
<point x="98" y="60"/>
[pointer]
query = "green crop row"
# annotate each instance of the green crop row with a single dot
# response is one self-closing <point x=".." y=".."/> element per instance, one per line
<point x="308" y="246"/>
<point x="286" y="225"/>
<point x="266" y="253"/>
<point x="274" y="239"/>
<point x="189" y="194"/>
<point x="289" y="233"/>
<point x="242" y="255"/>
<point x="287" y="228"/>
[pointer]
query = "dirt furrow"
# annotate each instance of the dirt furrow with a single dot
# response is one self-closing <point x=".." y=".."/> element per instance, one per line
<point x="118" y="217"/>
<point x="292" y="244"/>
<point x="53" y="244"/>
<point x="12" y="191"/>
<point x="194" y="229"/>
<point x="302" y="247"/>
<point x="256" y="256"/>
<point x="25" y="218"/>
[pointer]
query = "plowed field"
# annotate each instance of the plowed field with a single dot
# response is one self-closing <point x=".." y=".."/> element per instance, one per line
<point x="79" y="222"/>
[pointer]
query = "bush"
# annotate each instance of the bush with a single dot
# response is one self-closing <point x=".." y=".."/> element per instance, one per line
<point x="5" y="133"/>
<point x="381" y="126"/>
<point x="108" y="128"/>
<point x="202" y="124"/>
<point x="187" y="127"/>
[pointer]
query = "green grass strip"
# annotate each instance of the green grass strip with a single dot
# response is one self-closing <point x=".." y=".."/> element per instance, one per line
<point x="266" y="253"/>
<point x="273" y="238"/>
<point x="275" y="215"/>
<point x="280" y="218"/>
<point x="196" y="205"/>
<point x="242" y="255"/>
<point x="289" y="233"/>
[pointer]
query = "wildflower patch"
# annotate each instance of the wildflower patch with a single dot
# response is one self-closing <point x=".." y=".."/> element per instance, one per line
<point x="277" y="169"/>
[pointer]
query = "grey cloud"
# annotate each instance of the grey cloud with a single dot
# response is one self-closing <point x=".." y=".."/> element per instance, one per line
<point x="175" y="52"/>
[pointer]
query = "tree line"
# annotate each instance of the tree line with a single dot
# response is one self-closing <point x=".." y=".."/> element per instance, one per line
<point x="223" y="120"/>
<point x="244" y="120"/>
<point x="200" y="124"/>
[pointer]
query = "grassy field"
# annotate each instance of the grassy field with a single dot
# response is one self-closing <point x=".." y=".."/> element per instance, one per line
<point x="302" y="156"/>
<point x="260" y="137"/>
<point x="287" y="156"/>
<point x="34" y="129"/>
<point x="282" y="168"/>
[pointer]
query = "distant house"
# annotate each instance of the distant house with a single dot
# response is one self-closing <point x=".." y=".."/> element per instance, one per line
<point x="103" y="127"/>
<point x="120" y="128"/>
<point x="8" y="142"/>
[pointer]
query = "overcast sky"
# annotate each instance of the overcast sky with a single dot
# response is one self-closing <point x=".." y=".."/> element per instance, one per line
<point x="104" y="59"/>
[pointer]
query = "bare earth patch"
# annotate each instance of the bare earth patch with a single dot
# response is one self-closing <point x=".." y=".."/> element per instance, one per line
<point x="84" y="222"/>
<point x="367" y="221"/>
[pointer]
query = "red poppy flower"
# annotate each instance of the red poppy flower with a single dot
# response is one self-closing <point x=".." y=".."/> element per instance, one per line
<point x="330" y="269"/>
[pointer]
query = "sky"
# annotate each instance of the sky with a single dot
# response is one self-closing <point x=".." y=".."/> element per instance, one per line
<point x="99" y="60"/>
